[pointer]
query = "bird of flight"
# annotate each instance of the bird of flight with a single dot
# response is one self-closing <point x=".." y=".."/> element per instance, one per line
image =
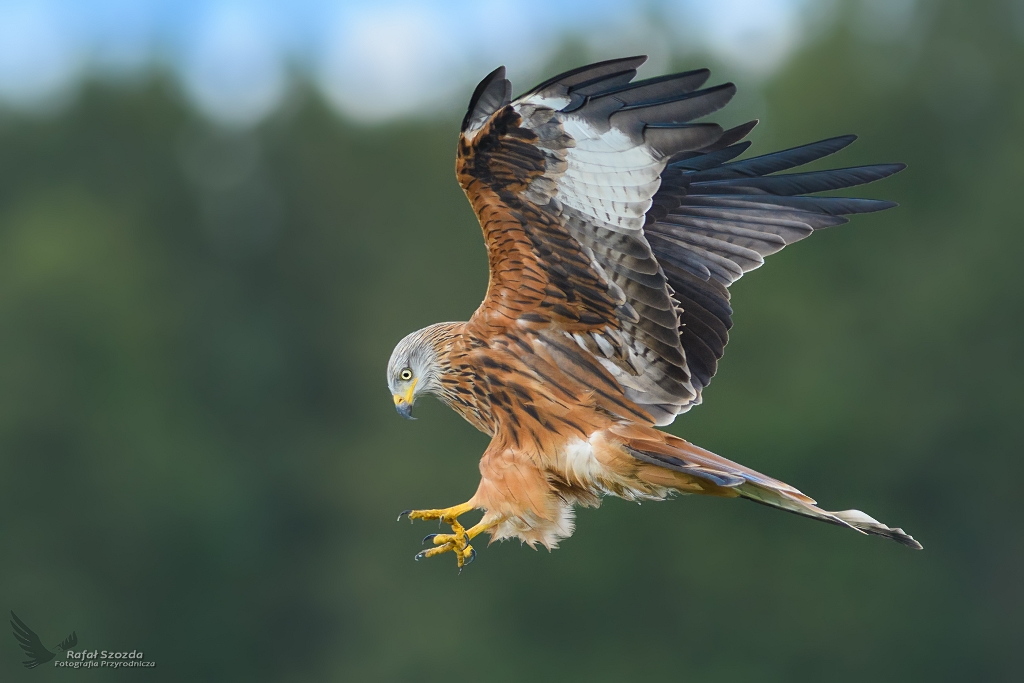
<point x="614" y="225"/>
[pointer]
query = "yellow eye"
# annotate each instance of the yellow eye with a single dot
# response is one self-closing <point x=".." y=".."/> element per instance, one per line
<point x="405" y="375"/>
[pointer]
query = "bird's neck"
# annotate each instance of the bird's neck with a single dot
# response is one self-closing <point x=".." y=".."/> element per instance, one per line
<point x="460" y="386"/>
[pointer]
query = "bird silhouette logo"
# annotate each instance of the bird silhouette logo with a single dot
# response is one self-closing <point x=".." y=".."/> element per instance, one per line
<point x="33" y="646"/>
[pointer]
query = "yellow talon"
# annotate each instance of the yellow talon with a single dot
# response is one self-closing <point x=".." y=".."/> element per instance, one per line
<point x="447" y="515"/>
<point x="457" y="541"/>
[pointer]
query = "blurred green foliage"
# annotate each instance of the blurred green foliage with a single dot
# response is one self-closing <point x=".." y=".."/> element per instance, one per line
<point x="199" y="457"/>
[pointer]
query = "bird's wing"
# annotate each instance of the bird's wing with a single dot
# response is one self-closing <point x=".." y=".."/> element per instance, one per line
<point x="611" y="217"/>
<point x="69" y="642"/>
<point x="30" y="643"/>
<point x="714" y="219"/>
<point x="561" y="180"/>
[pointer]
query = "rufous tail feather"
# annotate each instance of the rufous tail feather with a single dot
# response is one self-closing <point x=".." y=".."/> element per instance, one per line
<point x="719" y="476"/>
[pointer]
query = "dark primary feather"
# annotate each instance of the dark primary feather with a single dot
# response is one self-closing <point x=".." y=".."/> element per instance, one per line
<point x="608" y="74"/>
<point x="679" y="108"/>
<point x="774" y="162"/>
<point x="714" y="219"/>
<point x="797" y="183"/>
<point x="492" y="93"/>
<point x="647" y="90"/>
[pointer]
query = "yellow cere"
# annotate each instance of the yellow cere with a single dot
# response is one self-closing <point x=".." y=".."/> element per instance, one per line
<point x="398" y="398"/>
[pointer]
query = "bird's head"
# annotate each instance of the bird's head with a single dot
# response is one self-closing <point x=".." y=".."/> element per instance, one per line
<point x="417" y="365"/>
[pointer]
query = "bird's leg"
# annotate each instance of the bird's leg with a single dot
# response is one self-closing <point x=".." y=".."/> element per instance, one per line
<point x="458" y="540"/>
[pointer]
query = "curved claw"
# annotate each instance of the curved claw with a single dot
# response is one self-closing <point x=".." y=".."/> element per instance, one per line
<point x="428" y="537"/>
<point x="472" y="556"/>
<point x="419" y="555"/>
<point x="403" y="513"/>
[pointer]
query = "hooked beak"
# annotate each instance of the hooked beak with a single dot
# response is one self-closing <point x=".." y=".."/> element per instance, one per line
<point x="403" y="402"/>
<point x="404" y="409"/>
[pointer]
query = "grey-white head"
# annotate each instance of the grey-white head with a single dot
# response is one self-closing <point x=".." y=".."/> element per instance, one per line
<point x="417" y="365"/>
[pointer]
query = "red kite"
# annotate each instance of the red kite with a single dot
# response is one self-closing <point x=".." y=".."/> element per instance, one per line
<point x="614" y="226"/>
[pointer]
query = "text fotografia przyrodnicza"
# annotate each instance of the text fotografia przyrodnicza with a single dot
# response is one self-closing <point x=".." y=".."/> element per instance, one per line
<point x="87" y="659"/>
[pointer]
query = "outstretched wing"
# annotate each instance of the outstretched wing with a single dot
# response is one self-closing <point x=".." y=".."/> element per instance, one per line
<point x="714" y="219"/>
<point x="561" y="180"/>
<point x="30" y="643"/>
<point x="611" y="217"/>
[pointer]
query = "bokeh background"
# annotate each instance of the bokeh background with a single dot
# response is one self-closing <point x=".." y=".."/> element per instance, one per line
<point x="216" y="219"/>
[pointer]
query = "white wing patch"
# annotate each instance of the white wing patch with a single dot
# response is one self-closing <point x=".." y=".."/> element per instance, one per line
<point x="550" y="101"/>
<point x="609" y="178"/>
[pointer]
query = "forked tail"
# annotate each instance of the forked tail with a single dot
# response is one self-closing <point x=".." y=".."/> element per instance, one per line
<point x="802" y="505"/>
<point x="701" y="471"/>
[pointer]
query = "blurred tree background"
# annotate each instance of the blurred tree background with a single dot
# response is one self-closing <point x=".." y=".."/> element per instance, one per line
<point x="199" y="457"/>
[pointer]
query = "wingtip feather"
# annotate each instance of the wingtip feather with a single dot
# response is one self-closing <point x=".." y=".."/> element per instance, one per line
<point x="490" y="94"/>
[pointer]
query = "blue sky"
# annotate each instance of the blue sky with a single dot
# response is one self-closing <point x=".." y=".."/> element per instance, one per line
<point x="375" y="60"/>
